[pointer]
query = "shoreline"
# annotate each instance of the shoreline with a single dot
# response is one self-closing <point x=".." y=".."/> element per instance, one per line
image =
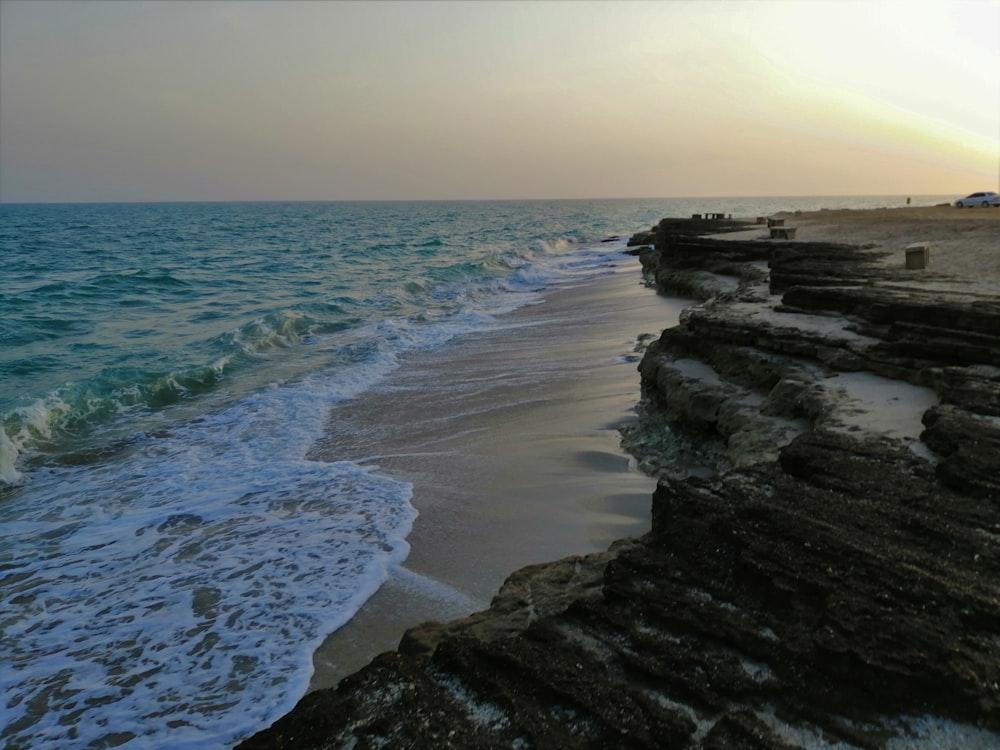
<point x="830" y="584"/>
<point x="510" y="440"/>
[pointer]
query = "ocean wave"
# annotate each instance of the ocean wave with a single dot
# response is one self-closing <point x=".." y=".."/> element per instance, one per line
<point x="106" y="286"/>
<point x="517" y="258"/>
<point x="484" y="285"/>
<point x="276" y="330"/>
<point x="9" y="475"/>
<point x="53" y="328"/>
<point x="210" y="560"/>
<point x="50" y="291"/>
<point x="69" y="412"/>
<point x="141" y="278"/>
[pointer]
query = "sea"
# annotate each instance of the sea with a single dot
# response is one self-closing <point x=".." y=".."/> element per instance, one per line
<point x="169" y="556"/>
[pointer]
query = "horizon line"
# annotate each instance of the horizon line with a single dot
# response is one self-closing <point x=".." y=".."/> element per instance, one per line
<point x="461" y="200"/>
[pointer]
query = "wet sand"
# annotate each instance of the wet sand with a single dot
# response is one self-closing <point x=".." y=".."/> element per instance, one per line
<point x="510" y="439"/>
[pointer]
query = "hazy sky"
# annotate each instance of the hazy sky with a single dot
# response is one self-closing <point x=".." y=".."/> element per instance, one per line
<point x="253" y="100"/>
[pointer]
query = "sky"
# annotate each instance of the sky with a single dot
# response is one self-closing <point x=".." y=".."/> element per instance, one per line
<point x="195" y="100"/>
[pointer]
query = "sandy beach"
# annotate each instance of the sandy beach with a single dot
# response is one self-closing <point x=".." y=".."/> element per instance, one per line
<point x="510" y="440"/>
<point x="964" y="243"/>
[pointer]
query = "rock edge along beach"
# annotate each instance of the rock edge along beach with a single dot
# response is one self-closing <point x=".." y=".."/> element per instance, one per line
<point x="823" y="567"/>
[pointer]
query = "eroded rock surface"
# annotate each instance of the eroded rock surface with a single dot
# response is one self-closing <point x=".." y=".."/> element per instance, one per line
<point x="824" y="560"/>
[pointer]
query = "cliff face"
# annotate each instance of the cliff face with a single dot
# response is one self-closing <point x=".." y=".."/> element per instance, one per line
<point x="821" y="568"/>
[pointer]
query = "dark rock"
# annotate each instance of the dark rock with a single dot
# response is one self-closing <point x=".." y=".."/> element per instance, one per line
<point x="970" y="446"/>
<point x="634" y="251"/>
<point x="820" y="264"/>
<point x="641" y="238"/>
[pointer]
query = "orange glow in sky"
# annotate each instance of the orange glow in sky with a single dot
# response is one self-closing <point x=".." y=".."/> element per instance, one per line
<point x="240" y="100"/>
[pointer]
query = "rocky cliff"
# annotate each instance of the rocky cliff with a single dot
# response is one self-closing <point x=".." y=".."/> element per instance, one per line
<point x="823" y="568"/>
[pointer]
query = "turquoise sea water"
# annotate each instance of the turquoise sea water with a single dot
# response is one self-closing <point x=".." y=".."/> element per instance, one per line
<point x="169" y="558"/>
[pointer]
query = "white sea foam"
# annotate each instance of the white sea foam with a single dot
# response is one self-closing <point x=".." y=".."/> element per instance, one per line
<point x="909" y="733"/>
<point x="8" y="457"/>
<point x="935" y="733"/>
<point x="175" y="597"/>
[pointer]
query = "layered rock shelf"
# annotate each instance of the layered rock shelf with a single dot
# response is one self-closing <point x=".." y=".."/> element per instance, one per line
<point x="823" y="568"/>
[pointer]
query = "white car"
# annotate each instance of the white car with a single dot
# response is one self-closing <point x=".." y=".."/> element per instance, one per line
<point x="979" y="199"/>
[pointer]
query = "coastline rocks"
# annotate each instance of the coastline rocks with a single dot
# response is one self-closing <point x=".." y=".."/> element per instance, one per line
<point x="970" y="446"/>
<point x="526" y="596"/>
<point x="823" y="567"/>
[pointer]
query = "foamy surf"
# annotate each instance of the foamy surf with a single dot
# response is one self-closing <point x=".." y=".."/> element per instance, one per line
<point x="177" y="595"/>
